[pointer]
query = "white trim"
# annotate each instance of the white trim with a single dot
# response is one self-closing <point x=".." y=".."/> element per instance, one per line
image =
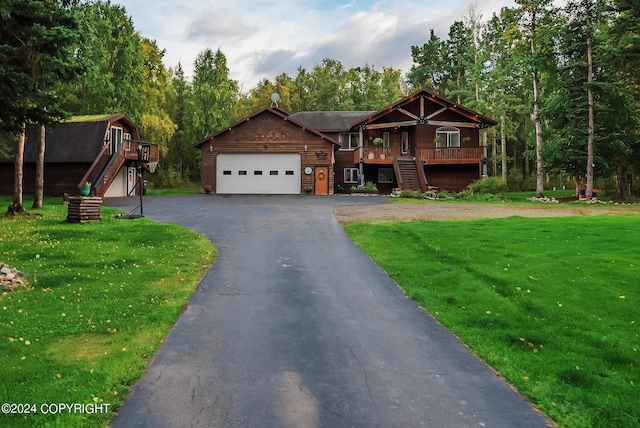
<point x="349" y="140"/>
<point x="350" y="175"/>
<point x="116" y="138"/>
<point x="258" y="173"/>
<point x="404" y="142"/>
<point x="450" y="137"/>
<point x="385" y="139"/>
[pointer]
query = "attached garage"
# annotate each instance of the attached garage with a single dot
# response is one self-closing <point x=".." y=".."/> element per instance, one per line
<point x="258" y="173"/>
<point x="268" y="153"/>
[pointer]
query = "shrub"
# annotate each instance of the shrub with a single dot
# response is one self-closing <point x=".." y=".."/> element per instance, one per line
<point x="493" y="185"/>
<point x="464" y="194"/>
<point x="168" y="178"/>
<point x="443" y="194"/>
<point x="515" y="180"/>
<point x="608" y="186"/>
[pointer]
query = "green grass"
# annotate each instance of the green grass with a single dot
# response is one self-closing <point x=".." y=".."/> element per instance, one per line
<point x="102" y="297"/>
<point x="523" y="196"/>
<point x="188" y="190"/>
<point x="552" y="304"/>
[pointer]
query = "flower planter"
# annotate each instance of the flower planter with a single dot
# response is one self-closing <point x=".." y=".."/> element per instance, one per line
<point x="363" y="192"/>
<point x="85" y="191"/>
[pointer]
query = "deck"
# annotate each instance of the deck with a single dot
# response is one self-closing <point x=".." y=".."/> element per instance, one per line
<point x="435" y="156"/>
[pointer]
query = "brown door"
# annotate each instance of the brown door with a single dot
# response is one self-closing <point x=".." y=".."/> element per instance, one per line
<point x="322" y="180"/>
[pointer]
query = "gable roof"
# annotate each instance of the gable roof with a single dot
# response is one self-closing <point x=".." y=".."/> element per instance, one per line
<point x="78" y="139"/>
<point x="279" y="113"/>
<point x="330" y="121"/>
<point x="474" y="118"/>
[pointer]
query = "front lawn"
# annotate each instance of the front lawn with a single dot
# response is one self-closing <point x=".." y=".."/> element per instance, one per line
<point x="101" y="298"/>
<point x="553" y="304"/>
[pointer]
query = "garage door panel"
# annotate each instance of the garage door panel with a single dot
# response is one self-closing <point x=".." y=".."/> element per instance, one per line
<point x="258" y="173"/>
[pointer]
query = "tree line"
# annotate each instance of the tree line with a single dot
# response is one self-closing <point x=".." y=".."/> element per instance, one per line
<point x="562" y="83"/>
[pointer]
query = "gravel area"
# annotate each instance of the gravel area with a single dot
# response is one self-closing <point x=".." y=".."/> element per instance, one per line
<point x="459" y="210"/>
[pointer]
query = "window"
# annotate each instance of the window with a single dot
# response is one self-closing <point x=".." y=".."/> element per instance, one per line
<point x="273" y="172"/>
<point x="257" y="172"/>
<point x="288" y="173"/>
<point x="385" y="175"/>
<point x="349" y="140"/>
<point x="226" y="172"/>
<point x="447" y="136"/>
<point x="385" y="139"/>
<point x="116" y="139"/>
<point x="405" y="143"/>
<point x="351" y="175"/>
<point x="242" y="172"/>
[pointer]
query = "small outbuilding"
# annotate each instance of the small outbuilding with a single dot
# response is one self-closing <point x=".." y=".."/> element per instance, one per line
<point x="100" y="149"/>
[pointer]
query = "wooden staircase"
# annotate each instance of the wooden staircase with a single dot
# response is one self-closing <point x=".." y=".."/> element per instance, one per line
<point x="103" y="171"/>
<point x="106" y="166"/>
<point x="108" y="174"/>
<point x="410" y="174"/>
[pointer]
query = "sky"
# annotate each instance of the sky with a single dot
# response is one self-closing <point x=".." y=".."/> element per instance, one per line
<point x="265" y="38"/>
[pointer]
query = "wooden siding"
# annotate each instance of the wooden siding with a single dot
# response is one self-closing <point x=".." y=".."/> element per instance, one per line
<point x="421" y="145"/>
<point x="71" y="150"/>
<point x="59" y="179"/>
<point x="267" y="133"/>
<point x="452" y="178"/>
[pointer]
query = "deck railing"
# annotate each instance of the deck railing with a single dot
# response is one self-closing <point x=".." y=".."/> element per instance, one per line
<point x="451" y="155"/>
<point x="376" y="154"/>
<point x="444" y="155"/>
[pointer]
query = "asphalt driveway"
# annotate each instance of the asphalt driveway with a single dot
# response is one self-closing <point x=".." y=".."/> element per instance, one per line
<point x="295" y="327"/>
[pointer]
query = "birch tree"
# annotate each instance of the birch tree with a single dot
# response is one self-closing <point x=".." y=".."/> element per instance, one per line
<point x="536" y="18"/>
<point x="39" y="190"/>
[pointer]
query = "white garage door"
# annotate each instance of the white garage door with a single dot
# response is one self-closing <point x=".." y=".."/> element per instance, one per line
<point x="258" y="173"/>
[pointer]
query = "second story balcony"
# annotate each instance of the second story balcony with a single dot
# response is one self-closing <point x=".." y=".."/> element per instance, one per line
<point x="432" y="156"/>
<point x="451" y="155"/>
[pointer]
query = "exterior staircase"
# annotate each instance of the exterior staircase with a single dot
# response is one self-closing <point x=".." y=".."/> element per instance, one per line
<point x="410" y="174"/>
<point x="106" y="166"/>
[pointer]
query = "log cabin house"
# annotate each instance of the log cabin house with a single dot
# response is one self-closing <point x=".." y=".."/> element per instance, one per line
<point x="419" y="141"/>
<point x="99" y="149"/>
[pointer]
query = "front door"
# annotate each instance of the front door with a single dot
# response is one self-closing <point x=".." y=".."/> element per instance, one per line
<point x="404" y="143"/>
<point x="131" y="181"/>
<point x="322" y="180"/>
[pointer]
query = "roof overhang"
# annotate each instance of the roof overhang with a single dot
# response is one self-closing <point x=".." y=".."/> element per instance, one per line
<point x="270" y="110"/>
<point x="472" y="119"/>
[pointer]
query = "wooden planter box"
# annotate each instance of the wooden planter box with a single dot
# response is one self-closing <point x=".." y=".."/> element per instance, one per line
<point x="84" y="208"/>
<point x="363" y="192"/>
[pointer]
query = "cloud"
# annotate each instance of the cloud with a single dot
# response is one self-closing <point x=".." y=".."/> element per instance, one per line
<point x="352" y="3"/>
<point x="216" y="25"/>
<point x="378" y="38"/>
<point x="271" y="63"/>
<point x="267" y="38"/>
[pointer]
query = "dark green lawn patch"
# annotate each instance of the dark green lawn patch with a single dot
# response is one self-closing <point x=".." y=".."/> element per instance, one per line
<point x="101" y="298"/>
<point x="553" y="304"/>
<point x="186" y="190"/>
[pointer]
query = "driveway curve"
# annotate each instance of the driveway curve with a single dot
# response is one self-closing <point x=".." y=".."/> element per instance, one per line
<point x="295" y="327"/>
